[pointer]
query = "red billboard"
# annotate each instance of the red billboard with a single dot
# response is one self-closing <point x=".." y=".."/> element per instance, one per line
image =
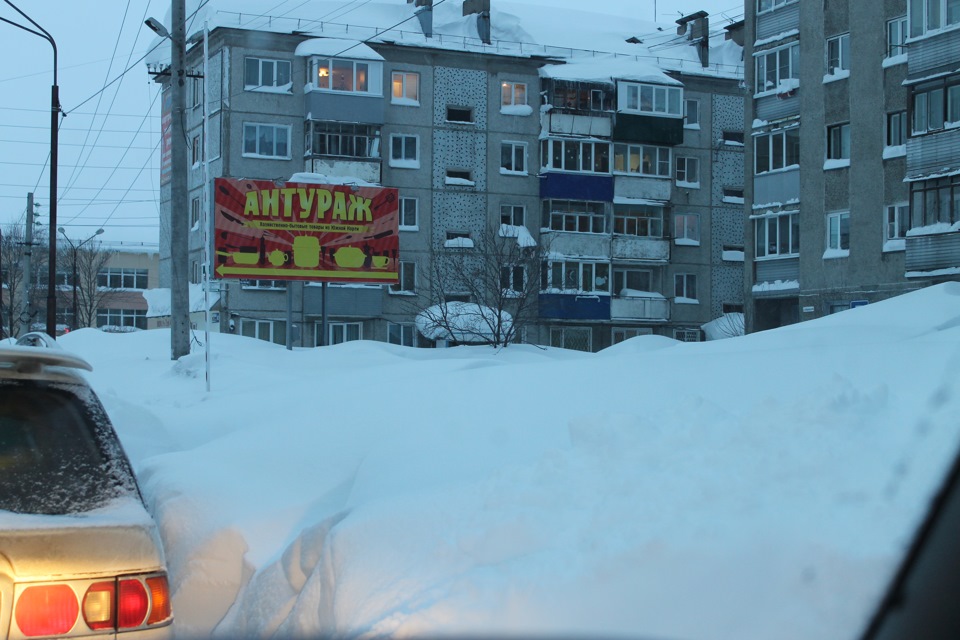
<point x="302" y="231"/>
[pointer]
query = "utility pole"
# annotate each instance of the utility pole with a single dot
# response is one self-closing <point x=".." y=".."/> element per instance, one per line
<point x="179" y="205"/>
<point x="27" y="315"/>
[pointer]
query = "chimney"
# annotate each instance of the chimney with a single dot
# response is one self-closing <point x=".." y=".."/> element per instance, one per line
<point x="424" y="13"/>
<point x="735" y="32"/>
<point x="697" y="27"/>
<point x="482" y="9"/>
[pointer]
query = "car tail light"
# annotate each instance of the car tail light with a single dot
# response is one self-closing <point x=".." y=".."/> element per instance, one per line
<point x="98" y="605"/>
<point x="132" y="603"/>
<point x="49" y="610"/>
<point x="160" y="599"/>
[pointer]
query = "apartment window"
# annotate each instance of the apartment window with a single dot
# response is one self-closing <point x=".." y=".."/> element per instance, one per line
<point x="512" y="214"/>
<point x="263" y="284"/>
<point x="274" y="331"/>
<point x="460" y="114"/>
<point x="513" y="157"/>
<point x="778" y="70"/>
<point x="897" y="221"/>
<point x="627" y="280"/>
<point x="732" y="137"/>
<point x="930" y="15"/>
<point x="407" y="278"/>
<point x="687" y="335"/>
<point x="196" y="149"/>
<point x="122" y="278"/>
<point x="897" y="36"/>
<point x="597" y="100"/>
<point x="576" y="275"/>
<point x="348" y="76"/>
<point x="691" y="113"/>
<point x="777" y="236"/>
<point x="651" y="98"/>
<point x="406" y="88"/>
<point x="935" y="105"/>
<point x="686" y="229"/>
<point x="638" y="220"/>
<point x="735" y="193"/>
<point x="512" y="277"/>
<point x="122" y="318"/>
<point x="513" y="94"/>
<point x="574" y="215"/>
<point x="767" y="5"/>
<point x="195" y="271"/>
<point x="838" y="231"/>
<point x="838" y="141"/>
<point x="619" y="334"/>
<point x="838" y="53"/>
<point x="933" y="201"/>
<point x="343" y="139"/>
<point x="731" y="307"/>
<point x="195" y="212"/>
<point x="574" y="338"/>
<point x="339" y="332"/>
<point x="401" y="333"/>
<point x="575" y="155"/>
<point x="266" y="140"/>
<point x="776" y="150"/>
<point x="404" y="151"/>
<point x="642" y="159"/>
<point x="459" y="177"/>
<point x="195" y="92"/>
<point x="409" y="209"/>
<point x="688" y="172"/>
<point x="685" y="286"/>
<point x="580" y="96"/>
<point x="896" y="128"/>
<point x="261" y="73"/>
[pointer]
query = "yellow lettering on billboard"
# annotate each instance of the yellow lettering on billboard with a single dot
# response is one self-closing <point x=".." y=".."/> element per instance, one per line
<point x="287" y="195"/>
<point x="324" y="200"/>
<point x="252" y="206"/>
<point x="271" y="202"/>
<point x="339" y="206"/>
<point x="360" y="209"/>
<point x="306" y="201"/>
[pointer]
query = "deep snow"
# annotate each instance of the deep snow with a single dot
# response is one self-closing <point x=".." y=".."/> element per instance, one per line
<point x="750" y="488"/>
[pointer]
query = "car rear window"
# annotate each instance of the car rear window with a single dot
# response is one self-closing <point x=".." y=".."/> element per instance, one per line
<point x="58" y="452"/>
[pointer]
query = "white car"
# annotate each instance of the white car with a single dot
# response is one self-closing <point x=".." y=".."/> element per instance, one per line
<point x="79" y="554"/>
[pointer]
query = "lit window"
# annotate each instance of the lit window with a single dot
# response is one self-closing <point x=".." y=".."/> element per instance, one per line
<point x="513" y="94"/>
<point x="643" y="159"/>
<point x="406" y="88"/>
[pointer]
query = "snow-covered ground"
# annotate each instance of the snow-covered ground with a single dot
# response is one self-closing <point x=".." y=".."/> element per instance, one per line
<point x="749" y="488"/>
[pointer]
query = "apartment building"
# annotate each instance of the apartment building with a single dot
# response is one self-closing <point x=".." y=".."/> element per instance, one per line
<point x="625" y="170"/>
<point x="854" y="124"/>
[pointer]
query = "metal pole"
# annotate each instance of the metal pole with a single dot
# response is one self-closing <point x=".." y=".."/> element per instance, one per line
<point x="323" y="314"/>
<point x="27" y="268"/>
<point x="179" y="209"/>
<point x="205" y="216"/>
<point x="289" y="316"/>
<point x="52" y="271"/>
<point x="76" y="312"/>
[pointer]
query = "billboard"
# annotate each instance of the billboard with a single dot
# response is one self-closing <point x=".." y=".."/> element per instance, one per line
<point x="303" y="231"/>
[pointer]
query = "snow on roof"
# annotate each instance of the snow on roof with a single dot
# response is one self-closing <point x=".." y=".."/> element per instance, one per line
<point x="323" y="178"/>
<point x="520" y="232"/>
<point x="608" y="68"/>
<point x="337" y="47"/>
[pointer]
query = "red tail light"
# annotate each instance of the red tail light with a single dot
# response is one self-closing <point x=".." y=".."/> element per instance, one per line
<point x="132" y="603"/>
<point x="160" y="599"/>
<point x="47" y="610"/>
<point x="98" y="605"/>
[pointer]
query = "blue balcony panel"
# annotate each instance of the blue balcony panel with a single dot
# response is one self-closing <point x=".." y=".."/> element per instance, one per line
<point x="576" y="186"/>
<point x="571" y="306"/>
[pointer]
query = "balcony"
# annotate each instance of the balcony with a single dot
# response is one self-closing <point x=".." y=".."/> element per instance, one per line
<point x="931" y="253"/>
<point x="367" y="169"/>
<point x="626" y="247"/>
<point x="574" y="306"/>
<point x="649" y="308"/>
<point x="598" y="126"/>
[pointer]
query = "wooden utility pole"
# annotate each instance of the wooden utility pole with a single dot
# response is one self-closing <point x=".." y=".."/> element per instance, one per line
<point x="179" y="205"/>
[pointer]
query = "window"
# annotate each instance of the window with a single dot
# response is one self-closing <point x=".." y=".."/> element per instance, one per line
<point x="343" y="139"/>
<point x="512" y="214"/>
<point x="407" y="278"/>
<point x="897" y="221"/>
<point x="776" y="150"/>
<point x="460" y="114"/>
<point x="263" y="284"/>
<point x="778" y="70"/>
<point x="270" y="330"/>
<point x="651" y="98"/>
<point x="767" y="5"/>
<point x="195" y="213"/>
<point x="195" y="89"/>
<point x="574" y="215"/>
<point x="838" y="53"/>
<point x="575" y="338"/>
<point x="691" y="113"/>
<point x="597" y="100"/>
<point x="731" y="307"/>
<point x="406" y="88"/>
<point x="686" y="229"/>
<point x="688" y="172"/>
<point x="930" y="15"/>
<point x="619" y="334"/>
<point x="933" y="201"/>
<point x="687" y="335"/>
<point x="339" y="332"/>
<point x="512" y="277"/>
<point x="122" y="318"/>
<point x="348" y="76"/>
<point x="461" y="177"/>
<point x="777" y="236"/>
<point x="626" y="280"/>
<point x="896" y="128"/>
<point x="580" y="96"/>
<point x="935" y="105"/>
<point x="195" y="272"/>
<point x="838" y="142"/>
<point x="401" y="333"/>
<point x="513" y="157"/>
<point x="196" y="150"/>
<point x="732" y="137"/>
<point x="261" y="73"/>
<point x="734" y="193"/>
<point x="266" y="140"/>
<point x="408" y="213"/>
<point x="575" y="155"/>
<point x="122" y="278"/>
<point x="638" y="220"/>
<point x="513" y="94"/>
<point x="576" y="276"/>
<point x="685" y="286"/>
<point x="838" y="231"/>
<point x="897" y="37"/>
<point x="404" y="151"/>
<point x="642" y="159"/>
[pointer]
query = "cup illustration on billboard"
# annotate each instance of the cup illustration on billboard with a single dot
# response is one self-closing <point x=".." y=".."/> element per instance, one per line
<point x="278" y="258"/>
<point x="380" y="262"/>
<point x="306" y="252"/>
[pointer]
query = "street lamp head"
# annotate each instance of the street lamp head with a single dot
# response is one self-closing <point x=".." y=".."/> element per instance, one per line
<point x="157" y="27"/>
<point x="99" y="231"/>
<point x="62" y="230"/>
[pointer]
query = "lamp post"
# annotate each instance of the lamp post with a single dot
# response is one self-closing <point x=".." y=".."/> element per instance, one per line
<point x="75" y="248"/>
<point x="54" y="112"/>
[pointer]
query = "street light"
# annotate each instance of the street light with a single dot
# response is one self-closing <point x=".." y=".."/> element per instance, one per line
<point x="75" y="247"/>
<point x="54" y="112"/>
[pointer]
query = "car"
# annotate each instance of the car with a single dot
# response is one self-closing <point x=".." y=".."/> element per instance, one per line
<point x="79" y="553"/>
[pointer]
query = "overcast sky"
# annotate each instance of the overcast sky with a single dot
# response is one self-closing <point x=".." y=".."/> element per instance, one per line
<point x="109" y="167"/>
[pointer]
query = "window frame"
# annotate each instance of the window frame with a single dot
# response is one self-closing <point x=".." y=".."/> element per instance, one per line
<point x="772" y="5"/>
<point x="195" y="207"/>
<point x="128" y="317"/>
<point x="597" y="163"/>
<point x="374" y="75"/>
<point x="585" y="272"/>
<point x="837" y="239"/>
<point x="403" y="99"/>
<point x="838" y="53"/>
<point x="663" y="166"/>
<point x="689" y="123"/>
<point x="107" y="275"/>
<point x="511" y="214"/>
<point x="896" y="221"/>
<point x="896" y="134"/>
<point x="641" y="218"/>
<point x="898" y="30"/>
<point x="332" y="326"/>
<point x="276" y="329"/>
<point x="838" y="141"/>
<point x="646" y="98"/>
<point x="786" y="235"/>
<point x="406" y="278"/>
<point x="404" y="328"/>
<point x="263" y="125"/>
<point x="927" y="200"/>
<point x="620" y="280"/>
<point x="792" y="50"/>
<point x="686" y="161"/>
<point x="514" y="148"/>
<point x="684" y="282"/>
<point x="405" y="162"/>
<point x="509" y="274"/>
<point x="922" y="20"/>
<point x="571" y="218"/>
<point x="402" y="212"/>
<point x="940" y="100"/>
<point x="512" y="86"/>
<point x="686" y="229"/>
<point x="342" y="140"/>
<point x="782" y="154"/>
<point x="274" y="63"/>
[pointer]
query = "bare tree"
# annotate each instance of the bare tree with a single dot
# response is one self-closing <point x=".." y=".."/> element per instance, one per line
<point x="14" y="294"/>
<point x="499" y="272"/>
<point x="729" y="325"/>
<point x="91" y="259"/>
